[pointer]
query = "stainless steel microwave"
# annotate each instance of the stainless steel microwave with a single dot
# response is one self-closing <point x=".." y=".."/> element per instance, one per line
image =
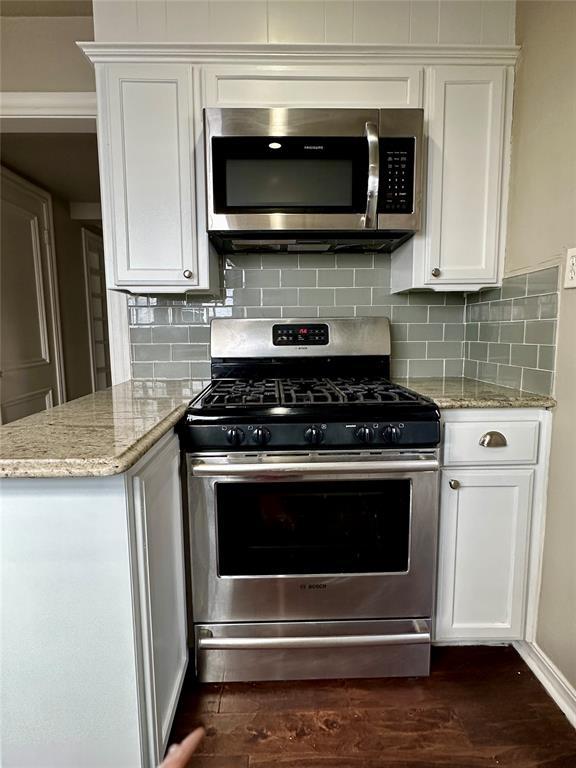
<point x="313" y="179"/>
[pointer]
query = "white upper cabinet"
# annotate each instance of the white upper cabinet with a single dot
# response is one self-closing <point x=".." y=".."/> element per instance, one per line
<point x="146" y="145"/>
<point x="461" y="246"/>
<point x="465" y="167"/>
<point x="313" y="86"/>
<point x="150" y="130"/>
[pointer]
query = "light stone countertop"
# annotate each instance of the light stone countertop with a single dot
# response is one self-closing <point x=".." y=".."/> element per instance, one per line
<point x="100" y="434"/>
<point x="107" y="432"/>
<point x="470" y="393"/>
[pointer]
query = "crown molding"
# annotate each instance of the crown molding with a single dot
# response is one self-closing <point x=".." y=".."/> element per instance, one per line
<point x="53" y="104"/>
<point x="265" y="53"/>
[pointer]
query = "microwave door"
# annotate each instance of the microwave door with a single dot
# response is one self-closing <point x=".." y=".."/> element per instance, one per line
<point x="316" y="178"/>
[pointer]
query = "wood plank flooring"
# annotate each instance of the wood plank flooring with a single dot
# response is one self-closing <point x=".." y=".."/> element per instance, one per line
<point x="481" y="707"/>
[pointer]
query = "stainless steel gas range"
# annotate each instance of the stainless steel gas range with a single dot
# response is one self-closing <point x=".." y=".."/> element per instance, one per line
<point x="313" y="505"/>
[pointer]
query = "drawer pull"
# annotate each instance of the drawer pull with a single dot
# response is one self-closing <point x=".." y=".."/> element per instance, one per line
<point x="454" y="484"/>
<point x="493" y="440"/>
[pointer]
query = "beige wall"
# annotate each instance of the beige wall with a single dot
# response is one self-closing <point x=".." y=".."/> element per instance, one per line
<point x="542" y="223"/>
<point x="40" y="54"/>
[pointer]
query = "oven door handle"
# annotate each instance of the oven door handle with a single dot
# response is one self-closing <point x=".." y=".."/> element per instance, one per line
<point x="279" y="470"/>
<point x="369" y="218"/>
<point x="337" y="641"/>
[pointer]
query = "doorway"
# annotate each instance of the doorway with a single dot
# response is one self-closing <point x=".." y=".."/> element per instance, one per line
<point x="54" y="330"/>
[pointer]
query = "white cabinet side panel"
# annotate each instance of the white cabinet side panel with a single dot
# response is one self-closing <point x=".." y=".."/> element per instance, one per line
<point x="158" y="516"/>
<point x="68" y="659"/>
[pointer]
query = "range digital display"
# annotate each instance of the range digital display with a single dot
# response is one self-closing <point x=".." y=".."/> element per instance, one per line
<point x="295" y="335"/>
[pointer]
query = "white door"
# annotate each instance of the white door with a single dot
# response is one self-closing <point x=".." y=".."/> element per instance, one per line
<point x="484" y="525"/>
<point x="466" y="156"/>
<point x="162" y="584"/>
<point x="95" y="281"/>
<point x="146" y="149"/>
<point x="32" y="377"/>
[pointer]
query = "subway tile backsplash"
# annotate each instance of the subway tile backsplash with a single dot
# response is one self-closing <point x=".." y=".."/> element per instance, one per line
<point x="170" y="335"/>
<point x="511" y="332"/>
<point x="501" y="335"/>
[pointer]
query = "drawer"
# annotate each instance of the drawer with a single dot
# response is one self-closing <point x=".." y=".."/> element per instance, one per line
<point x="463" y="442"/>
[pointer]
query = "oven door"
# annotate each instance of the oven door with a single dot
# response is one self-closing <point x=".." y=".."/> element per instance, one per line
<point x="313" y="537"/>
<point x="291" y="169"/>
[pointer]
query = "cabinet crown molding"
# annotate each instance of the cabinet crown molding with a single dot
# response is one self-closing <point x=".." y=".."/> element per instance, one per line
<point x="266" y="53"/>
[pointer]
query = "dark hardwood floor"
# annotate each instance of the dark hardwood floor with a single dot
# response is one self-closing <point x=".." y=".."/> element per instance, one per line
<point x="480" y="707"/>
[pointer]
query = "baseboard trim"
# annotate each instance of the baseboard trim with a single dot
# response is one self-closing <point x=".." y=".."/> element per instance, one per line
<point x="556" y="685"/>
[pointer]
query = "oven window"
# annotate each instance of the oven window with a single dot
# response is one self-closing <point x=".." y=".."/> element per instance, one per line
<point x="269" y="529"/>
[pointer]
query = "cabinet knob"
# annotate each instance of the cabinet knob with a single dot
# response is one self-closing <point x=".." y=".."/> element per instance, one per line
<point x="493" y="440"/>
<point x="454" y="484"/>
<point x="436" y="272"/>
<point x="188" y="274"/>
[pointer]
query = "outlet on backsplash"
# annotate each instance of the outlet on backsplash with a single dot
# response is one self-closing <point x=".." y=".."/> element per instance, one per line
<point x="570" y="270"/>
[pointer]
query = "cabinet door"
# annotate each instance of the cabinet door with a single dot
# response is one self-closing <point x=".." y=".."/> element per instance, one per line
<point x="484" y="525"/>
<point x="146" y="142"/>
<point x="466" y="159"/>
<point x="313" y="86"/>
<point x="161" y="582"/>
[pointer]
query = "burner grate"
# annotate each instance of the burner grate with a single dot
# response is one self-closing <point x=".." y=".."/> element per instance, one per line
<point x="308" y="392"/>
<point x="242" y="392"/>
<point x="304" y="391"/>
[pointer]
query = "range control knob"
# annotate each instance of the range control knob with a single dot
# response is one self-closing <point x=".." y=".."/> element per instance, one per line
<point x="313" y="435"/>
<point x="261" y="436"/>
<point x="365" y="434"/>
<point x="235" y="436"/>
<point x="391" y="434"/>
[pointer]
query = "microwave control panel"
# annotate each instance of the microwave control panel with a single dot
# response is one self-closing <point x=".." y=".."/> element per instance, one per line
<point x="298" y="335"/>
<point x="396" y="188"/>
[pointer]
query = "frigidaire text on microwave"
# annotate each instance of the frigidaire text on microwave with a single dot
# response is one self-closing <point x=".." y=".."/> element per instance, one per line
<point x="313" y="179"/>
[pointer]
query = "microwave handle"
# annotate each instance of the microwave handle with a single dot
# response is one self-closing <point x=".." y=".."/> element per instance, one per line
<point x="370" y="217"/>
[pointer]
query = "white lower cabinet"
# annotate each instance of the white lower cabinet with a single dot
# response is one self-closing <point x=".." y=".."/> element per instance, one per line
<point x="98" y="564"/>
<point x="484" y="529"/>
<point x="492" y="506"/>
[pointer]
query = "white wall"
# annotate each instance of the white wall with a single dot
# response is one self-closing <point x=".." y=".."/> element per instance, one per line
<point x="481" y="22"/>
<point x="40" y="54"/>
<point x="542" y="222"/>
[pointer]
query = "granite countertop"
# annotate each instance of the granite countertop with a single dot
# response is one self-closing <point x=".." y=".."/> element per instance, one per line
<point x="100" y="434"/>
<point x="469" y="393"/>
<point x="107" y="432"/>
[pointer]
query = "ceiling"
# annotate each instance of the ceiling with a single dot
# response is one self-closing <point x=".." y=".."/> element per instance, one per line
<point x="45" y="7"/>
<point x="65" y="164"/>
